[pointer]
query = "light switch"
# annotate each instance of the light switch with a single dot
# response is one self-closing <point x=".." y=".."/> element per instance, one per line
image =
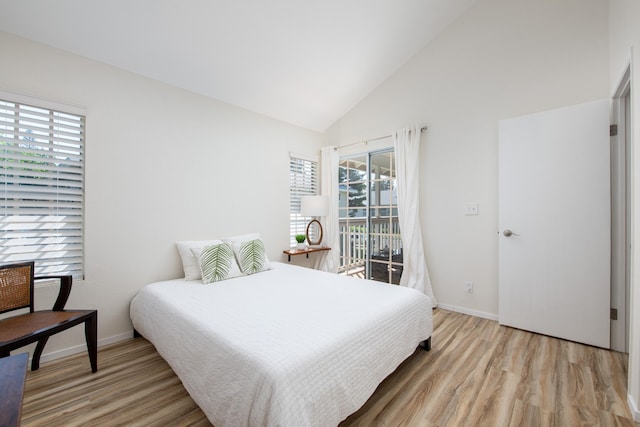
<point x="471" y="208"/>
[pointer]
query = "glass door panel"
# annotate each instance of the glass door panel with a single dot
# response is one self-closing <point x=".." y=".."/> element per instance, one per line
<point x="353" y="193"/>
<point x="369" y="233"/>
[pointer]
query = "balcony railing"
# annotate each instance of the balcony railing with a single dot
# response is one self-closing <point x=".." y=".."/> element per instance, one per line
<point x="377" y="249"/>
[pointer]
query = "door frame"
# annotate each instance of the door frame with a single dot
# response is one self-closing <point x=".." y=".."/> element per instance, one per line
<point x="389" y="266"/>
<point x="621" y="212"/>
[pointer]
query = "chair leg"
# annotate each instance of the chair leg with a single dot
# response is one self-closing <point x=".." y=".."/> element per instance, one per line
<point x="35" y="360"/>
<point x="91" y="335"/>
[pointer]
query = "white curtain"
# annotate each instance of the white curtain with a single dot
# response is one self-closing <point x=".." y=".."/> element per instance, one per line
<point x="330" y="224"/>
<point x="415" y="275"/>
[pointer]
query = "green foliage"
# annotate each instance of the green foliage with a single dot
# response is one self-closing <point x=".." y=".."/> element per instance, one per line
<point x="300" y="238"/>
<point x="357" y="188"/>
<point x="38" y="161"/>
<point x="357" y="229"/>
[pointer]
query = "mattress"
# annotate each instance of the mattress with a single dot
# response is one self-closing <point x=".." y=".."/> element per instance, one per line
<point x="289" y="346"/>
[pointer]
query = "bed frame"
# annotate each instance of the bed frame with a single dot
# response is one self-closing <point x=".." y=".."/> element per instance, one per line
<point x="425" y="345"/>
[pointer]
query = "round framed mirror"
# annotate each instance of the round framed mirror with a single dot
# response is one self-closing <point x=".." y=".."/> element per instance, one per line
<point x="314" y="229"/>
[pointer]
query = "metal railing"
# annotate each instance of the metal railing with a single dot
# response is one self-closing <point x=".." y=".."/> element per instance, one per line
<point x="358" y="244"/>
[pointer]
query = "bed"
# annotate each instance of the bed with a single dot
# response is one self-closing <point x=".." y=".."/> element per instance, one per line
<point x="288" y="346"/>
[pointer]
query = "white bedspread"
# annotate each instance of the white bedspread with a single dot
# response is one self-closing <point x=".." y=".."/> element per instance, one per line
<point x="286" y="347"/>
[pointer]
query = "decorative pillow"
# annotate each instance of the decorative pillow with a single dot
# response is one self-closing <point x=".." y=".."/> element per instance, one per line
<point x="217" y="262"/>
<point x="191" y="264"/>
<point x="250" y="253"/>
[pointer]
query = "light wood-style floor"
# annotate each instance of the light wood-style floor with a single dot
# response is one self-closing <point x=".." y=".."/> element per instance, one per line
<point x="477" y="374"/>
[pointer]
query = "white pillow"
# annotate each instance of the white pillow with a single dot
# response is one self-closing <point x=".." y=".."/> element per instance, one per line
<point x="241" y="238"/>
<point x="250" y="253"/>
<point x="190" y="264"/>
<point x="217" y="262"/>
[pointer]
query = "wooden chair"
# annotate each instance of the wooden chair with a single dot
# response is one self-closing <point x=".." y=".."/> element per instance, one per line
<point x="16" y="292"/>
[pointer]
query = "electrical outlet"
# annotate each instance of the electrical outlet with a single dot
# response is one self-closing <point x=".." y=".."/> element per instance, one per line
<point x="468" y="285"/>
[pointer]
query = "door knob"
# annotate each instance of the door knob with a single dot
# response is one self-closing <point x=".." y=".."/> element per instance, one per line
<point x="509" y="233"/>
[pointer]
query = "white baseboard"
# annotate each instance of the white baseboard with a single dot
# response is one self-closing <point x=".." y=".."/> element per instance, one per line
<point x="47" y="357"/>
<point x="470" y="312"/>
<point x="634" y="408"/>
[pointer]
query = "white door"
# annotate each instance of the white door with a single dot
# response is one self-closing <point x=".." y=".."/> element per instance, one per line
<point x="554" y="223"/>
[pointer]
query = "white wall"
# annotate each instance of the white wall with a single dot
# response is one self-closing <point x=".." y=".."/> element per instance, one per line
<point x="162" y="165"/>
<point x="503" y="58"/>
<point x="624" y="45"/>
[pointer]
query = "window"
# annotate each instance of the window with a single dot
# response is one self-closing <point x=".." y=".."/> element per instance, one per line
<point x="42" y="186"/>
<point x="303" y="181"/>
<point x="370" y="243"/>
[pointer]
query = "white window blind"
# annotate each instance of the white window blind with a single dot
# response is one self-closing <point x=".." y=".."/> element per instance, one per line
<point x="303" y="181"/>
<point x="42" y="188"/>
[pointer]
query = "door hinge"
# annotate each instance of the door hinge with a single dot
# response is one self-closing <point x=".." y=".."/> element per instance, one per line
<point x="613" y="130"/>
<point x="614" y="314"/>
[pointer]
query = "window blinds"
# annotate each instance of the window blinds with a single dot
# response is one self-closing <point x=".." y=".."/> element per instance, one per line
<point x="42" y="186"/>
<point x="303" y="181"/>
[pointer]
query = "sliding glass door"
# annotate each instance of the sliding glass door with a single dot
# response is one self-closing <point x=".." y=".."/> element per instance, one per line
<point x="370" y="244"/>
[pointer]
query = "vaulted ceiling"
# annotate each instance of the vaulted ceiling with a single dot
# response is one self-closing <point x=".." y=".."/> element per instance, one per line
<point x="305" y="62"/>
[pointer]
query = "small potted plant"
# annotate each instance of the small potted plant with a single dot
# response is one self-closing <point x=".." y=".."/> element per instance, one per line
<point x="300" y="238"/>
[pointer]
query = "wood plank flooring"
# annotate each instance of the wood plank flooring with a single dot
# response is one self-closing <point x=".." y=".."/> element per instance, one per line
<point x="477" y="374"/>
